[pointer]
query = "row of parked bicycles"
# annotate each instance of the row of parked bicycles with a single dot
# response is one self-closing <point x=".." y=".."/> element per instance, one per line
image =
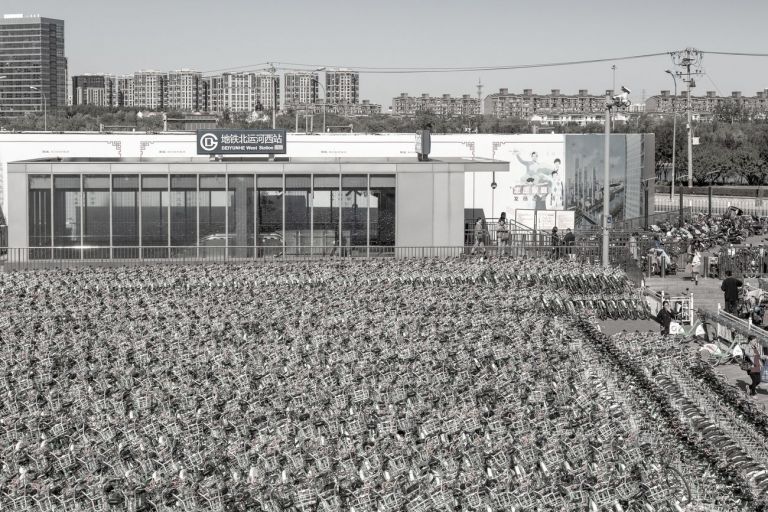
<point x="382" y="385"/>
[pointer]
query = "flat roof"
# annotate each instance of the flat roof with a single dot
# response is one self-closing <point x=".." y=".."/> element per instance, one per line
<point x="337" y="165"/>
<point x="264" y="159"/>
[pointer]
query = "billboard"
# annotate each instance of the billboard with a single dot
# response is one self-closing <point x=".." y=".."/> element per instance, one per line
<point x="536" y="175"/>
<point x="240" y="142"/>
<point x="545" y="220"/>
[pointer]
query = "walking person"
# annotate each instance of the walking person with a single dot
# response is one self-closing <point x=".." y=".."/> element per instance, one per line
<point x="479" y="232"/>
<point x="756" y="351"/>
<point x="502" y="235"/>
<point x="730" y="287"/>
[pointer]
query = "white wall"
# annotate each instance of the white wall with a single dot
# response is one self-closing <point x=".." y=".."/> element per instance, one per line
<point x="477" y="189"/>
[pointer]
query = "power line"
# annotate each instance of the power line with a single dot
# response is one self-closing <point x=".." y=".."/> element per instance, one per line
<point x="405" y="70"/>
<point x="738" y="54"/>
<point x="419" y="70"/>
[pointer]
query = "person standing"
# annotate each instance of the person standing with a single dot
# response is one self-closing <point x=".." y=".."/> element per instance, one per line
<point x="502" y="234"/>
<point x="696" y="265"/>
<point x="633" y="246"/>
<point x="665" y="317"/>
<point x="756" y="350"/>
<point x="569" y="240"/>
<point x="555" y="241"/>
<point x="730" y="287"/>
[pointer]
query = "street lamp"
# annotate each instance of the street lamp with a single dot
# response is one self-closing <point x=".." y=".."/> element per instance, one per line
<point x="674" y="133"/>
<point x="45" y="107"/>
<point x="618" y="101"/>
<point x="324" y="94"/>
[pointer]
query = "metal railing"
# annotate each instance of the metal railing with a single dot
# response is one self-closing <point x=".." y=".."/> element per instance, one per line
<point x="714" y="205"/>
<point x="729" y="327"/>
<point x="59" y="257"/>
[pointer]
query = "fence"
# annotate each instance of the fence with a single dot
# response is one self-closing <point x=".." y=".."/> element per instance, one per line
<point x="713" y="205"/>
<point x="588" y="251"/>
<point x="729" y="328"/>
<point x="682" y="305"/>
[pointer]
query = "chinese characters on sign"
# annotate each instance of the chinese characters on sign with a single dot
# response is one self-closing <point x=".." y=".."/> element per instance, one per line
<point x="240" y="142"/>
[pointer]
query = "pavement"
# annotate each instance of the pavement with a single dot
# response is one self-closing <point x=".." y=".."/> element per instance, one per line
<point x="706" y="295"/>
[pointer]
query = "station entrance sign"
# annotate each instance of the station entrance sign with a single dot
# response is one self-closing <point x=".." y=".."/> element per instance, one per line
<point x="241" y="142"/>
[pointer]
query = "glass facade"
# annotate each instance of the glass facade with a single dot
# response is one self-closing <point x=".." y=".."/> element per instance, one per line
<point x="67" y="220"/>
<point x="325" y="210"/>
<point x="298" y="214"/>
<point x="32" y="55"/>
<point x="40" y="219"/>
<point x="154" y="216"/>
<point x="183" y="215"/>
<point x="96" y="225"/>
<point x="209" y="215"/>
<point x="382" y="210"/>
<point x="125" y="216"/>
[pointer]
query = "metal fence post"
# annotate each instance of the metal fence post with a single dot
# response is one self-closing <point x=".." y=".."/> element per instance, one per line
<point x="709" y="200"/>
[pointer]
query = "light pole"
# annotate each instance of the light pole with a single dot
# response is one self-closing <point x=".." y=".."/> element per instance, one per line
<point x="324" y="94"/>
<point x="45" y="106"/>
<point x="618" y="101"/>
<point x="674" y="133"/>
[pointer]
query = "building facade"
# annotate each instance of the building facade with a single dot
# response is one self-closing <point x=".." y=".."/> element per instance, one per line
<point x="148" y="88"/>
<point x="130" y="209"/>
<point x="342" y="86"/>
<point x="301" y="89"/>
<point x="445" y="105"/>
<point x="581" y="107"/>
<point x="184" y="91"/>
<point x="122" y="95"/>
<point x="362" y="109"/>
<point x="242" y="92"/>
<point x="704" y="107"/>
<point x="95" y="90"/>
<point x="33" y="62"/>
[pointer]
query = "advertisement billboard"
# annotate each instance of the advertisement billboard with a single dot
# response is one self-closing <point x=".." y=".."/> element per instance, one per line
<point x="536" y="175"/>
<point x="241" y="142"/>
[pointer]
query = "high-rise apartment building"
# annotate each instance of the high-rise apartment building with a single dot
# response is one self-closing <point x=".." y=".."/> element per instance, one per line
<point x="122" y="95"/>
<point x="243" y="92"/>
<point x="184" y="91"/>
<point x="301" y="88"/>
<point x="148" y="88"/>
<point x="342" y="86"/>
<point x="92" y="90"/>
<point x="33" y="63"/>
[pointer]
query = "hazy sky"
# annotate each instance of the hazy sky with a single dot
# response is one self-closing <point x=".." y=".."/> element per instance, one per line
<point x="114" y="37"/>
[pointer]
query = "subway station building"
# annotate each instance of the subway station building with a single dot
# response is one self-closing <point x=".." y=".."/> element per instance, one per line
<point x="236" y="207"/>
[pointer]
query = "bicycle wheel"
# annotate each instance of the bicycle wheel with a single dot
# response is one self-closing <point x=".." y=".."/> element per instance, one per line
<point x="679" y="490"/>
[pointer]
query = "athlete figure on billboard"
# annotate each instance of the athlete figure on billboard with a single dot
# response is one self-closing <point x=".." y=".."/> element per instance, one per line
<point x="532" y="167"/>
<point x="556" y="196"/>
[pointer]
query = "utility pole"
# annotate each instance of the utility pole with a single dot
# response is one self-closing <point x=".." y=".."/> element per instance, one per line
<point x="687" y="59"/>
<point x="480" y="94"/>
<point x="272" y="70"/>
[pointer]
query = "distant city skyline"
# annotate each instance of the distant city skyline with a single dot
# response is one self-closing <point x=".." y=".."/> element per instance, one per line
<point x="105" y="37"/>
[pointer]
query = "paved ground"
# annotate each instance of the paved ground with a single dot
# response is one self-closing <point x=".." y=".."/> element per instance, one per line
<point x="706" y="295"/>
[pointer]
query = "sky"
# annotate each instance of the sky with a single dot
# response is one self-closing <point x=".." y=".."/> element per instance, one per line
<point x="107" y="36"/>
